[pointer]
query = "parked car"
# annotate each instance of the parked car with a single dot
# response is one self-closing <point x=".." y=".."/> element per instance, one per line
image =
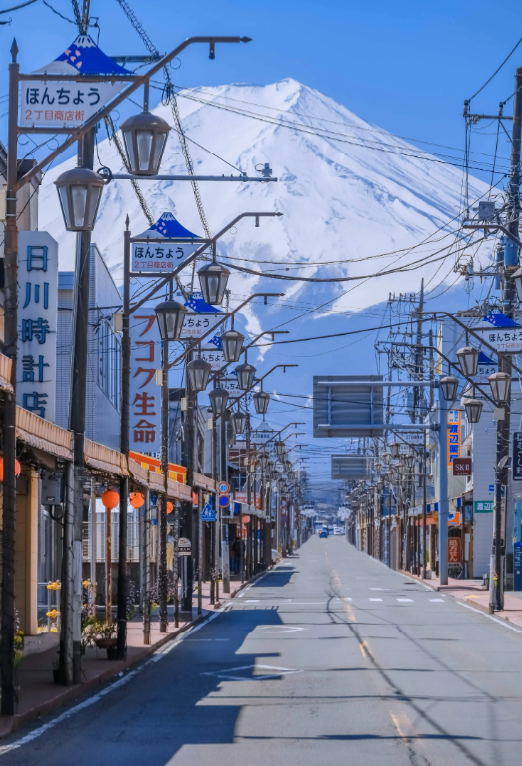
<point x="338" y="530"/>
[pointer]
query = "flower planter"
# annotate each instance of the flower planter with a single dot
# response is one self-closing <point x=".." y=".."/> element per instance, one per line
<point x="110" y="644"/>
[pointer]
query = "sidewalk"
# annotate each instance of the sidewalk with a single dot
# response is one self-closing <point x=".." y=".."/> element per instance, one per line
<point x="39" y="695"/>
<point x="473" y="593"/>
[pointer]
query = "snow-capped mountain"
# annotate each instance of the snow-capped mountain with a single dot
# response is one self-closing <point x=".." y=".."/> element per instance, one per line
<point x="348" y="191"/>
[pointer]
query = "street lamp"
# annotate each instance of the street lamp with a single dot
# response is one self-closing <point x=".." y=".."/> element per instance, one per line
<point x="218" y="401"/>
<point x="245" y="376"/>
<point x="239" y="422"/>
<point x="395" y="448"/>
<point x="473" y="409"/>
<point x="170" y="315"/>
<point x="198" y="371"/>
<point x="232" y="343"/>
<point x="213" y="278"/>
<point x="261" y="400"/>
<point x="500" y="383"/>
<point x="264" y="460"/>
<point x="449" y="386"/>
<point x="145" y="136"/>
<point x="377" y="467"/>
<point x="79" y="192"/>
<point x="468" y="359"/>
<point x="409" y="460"/>
<point x="279" y="448"/>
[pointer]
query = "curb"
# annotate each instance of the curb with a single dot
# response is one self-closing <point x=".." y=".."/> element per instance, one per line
<point x="234" y="593"/>
<point x="8" y="725"/>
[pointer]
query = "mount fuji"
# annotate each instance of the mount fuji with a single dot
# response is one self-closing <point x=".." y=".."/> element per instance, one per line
<point x="349" y="191"/>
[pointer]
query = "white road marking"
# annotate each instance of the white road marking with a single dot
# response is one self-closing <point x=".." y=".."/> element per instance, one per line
<point x="375" y="599"/>
<point x="241" y="595"/>
<point x="252" y="601"/>
<point x="404" y="599"/>
<point x="490" y="617"/>
<point x="226" y="674"/>
<point x="441" y="600"/>
<point x="281" y="628"/>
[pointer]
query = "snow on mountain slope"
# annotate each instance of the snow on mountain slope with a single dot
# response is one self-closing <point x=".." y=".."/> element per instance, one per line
<point x="347" y="194"/>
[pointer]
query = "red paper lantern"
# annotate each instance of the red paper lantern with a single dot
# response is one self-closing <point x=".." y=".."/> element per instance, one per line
<point x="110" y="499"/>
<point x="170" y="507"/>
<point x="18" y="468"/>
<point x="246" y="519"/>
<point x="136" y="499"/>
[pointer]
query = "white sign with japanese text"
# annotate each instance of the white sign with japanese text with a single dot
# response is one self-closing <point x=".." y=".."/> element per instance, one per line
<point x="63" y="104"/>
<point x="231" y="385"/>
<point x="215" y="358"/>
<point x="196" y="325"/>
<point x="145" y="395"/>
<point x="37" y="323"/>
<point x="507" y="339"/>
<point x="157" y="258"/>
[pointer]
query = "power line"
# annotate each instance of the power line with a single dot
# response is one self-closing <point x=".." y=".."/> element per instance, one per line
<point x="495" y="72"/>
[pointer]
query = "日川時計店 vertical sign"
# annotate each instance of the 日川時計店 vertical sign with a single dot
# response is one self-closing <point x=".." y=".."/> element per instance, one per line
<point x="453" y="435"/>
<point x="37" y="323"/>
<point x="517" y="456"/>
<point x="145" y="395"/>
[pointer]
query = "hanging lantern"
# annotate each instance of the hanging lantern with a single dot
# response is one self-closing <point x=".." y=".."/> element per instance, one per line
<point x="386" y="458"/>
<point x="218" y="401"/>
<point x="264" y="460"/>
<point x="395" y="448"/>
<point x="274" y="475"/>
<point x="110" y="499"/>
<point x="79" y="192"/>
<point x="136" y="499"/>
<point x="170" y="316"/>
<point x="279" y="448"/>
<point x="232" y="345"/>
<point x="473" y="409"/>
<point x="239" y="422"/>
<point x="380" y="485"/>
<point x="245" y="376"/>
<point x="18" y="468"/>
<point x="198" y="371"/>
<point x="213" y="278"/>
<point x="500" y="383"/>
<point x="468" y="359"/>
<point x="261" y="400"/>
<point x="377" y="467"/>
<point x="449" y="386"/>
<point x="145" y="136"/>
<point x="170" y="507"/>
<point x="409" y="461"/>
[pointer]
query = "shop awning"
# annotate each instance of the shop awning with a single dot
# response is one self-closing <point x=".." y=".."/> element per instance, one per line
<point x="43" y="435"/>
<point x="204" y="482"/>
<point x="105" y="459"/>
<point x="6" y="366"/>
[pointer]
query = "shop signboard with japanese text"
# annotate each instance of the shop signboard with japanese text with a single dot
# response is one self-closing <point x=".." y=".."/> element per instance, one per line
<point x="501" y="332"/>
<point x="58" y="104"/>
<point x="37" y="323"/>
<point x="145" y="395"/>
<point x="158" y="258"/>
<point x="453" y="435"/>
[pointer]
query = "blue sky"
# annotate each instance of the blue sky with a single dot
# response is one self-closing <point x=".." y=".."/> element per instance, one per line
<point x="405" y="66"/>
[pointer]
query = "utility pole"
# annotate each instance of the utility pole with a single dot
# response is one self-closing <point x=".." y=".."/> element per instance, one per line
<point x="496" y="588"/>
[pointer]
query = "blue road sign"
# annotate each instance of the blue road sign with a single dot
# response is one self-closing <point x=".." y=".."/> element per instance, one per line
<point x="208" y="513"/>
<point x="224" y="501"/>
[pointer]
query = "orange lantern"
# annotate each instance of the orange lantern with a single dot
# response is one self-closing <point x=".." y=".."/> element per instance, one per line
<point x="136" y="499"/>
<point x="18" y="468"/>
<point x="246" y="519"/>
<point x="170" y="507"/>
<point x="110" y="499"/>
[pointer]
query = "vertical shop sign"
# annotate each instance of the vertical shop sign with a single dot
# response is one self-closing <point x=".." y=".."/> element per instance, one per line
<point x="453" y="435"/>
<point x="37" y="323"/>
<point x="145" y="395"/>
<point x="517" y="456"/>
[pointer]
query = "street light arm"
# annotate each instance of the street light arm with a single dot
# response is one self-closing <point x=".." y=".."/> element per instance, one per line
<point x="258" y="380"/>
<point x="223" y="319"/>
<point x="277" y="433"/>
<point x="137" y="83"/>
<point x="221" y="370"/>
<point x="198" y="252"/>
<point x="493" y="227"/>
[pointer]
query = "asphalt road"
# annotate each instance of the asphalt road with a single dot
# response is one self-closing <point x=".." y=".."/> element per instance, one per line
<point x="330" y="659"/>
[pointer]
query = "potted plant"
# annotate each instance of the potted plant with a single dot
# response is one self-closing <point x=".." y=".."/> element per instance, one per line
<point x="106" y="639"/>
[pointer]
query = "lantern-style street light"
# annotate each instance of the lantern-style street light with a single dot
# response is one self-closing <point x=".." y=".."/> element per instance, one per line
<point x="264" y="460"/>
<point x="232" y="343"/>
<point x="239" y="422"/>
<point x="449" y="386"/>
<point x="261" y="400"/>
<point x="395" y="448"/>
<point x="145" y="136"/>
<point x="409" y="460"/>
<point x="500" y="383"/>
<point x="468" y="359"/>
<point x="473" y="409"/>
<point x="377" y="467"/>
<point x="198" y="371"/>
<point x="279" y="448"/>
<point x="245" y="376"/>
<point x="213" y="279"/>
<point x="79" y="192"/>
<point x="218" y="401"/>
<point x="170" y="315"/>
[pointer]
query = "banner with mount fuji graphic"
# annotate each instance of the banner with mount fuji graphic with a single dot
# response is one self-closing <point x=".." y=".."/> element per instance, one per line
<point x="501" y="332"/>
<point x="67" y="104"/>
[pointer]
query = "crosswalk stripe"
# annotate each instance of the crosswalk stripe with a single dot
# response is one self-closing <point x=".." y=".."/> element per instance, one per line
<point x="404" y="599"/>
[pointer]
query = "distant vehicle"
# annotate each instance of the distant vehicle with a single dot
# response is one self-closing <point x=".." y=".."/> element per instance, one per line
<point x="338" y="530"/>
<point x="331" y="531"/>
<point x="323" y="533"/>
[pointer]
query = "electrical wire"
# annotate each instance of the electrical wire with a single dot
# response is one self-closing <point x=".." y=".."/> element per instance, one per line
<point x="495" y="72"/>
